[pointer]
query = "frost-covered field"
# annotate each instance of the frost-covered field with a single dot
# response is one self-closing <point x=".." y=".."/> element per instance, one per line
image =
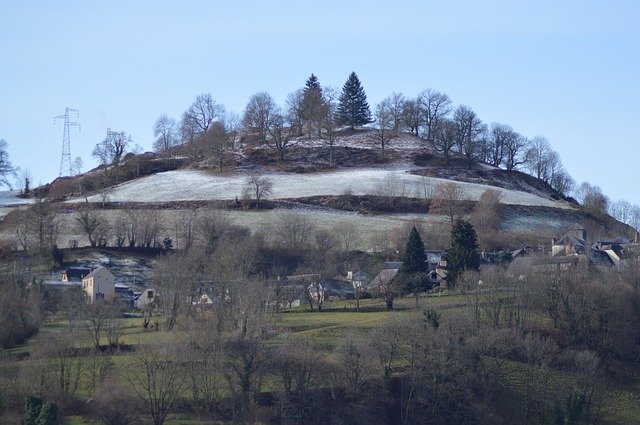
<point x="190" y="185"/>
<point x="10" y="197"/>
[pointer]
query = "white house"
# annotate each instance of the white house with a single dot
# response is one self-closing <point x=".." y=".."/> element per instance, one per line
<point x="146" y="299"/>
<point x="100" y="284"/>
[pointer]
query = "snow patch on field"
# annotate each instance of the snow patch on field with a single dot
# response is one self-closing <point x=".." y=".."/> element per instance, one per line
<point x="190" y="185"/>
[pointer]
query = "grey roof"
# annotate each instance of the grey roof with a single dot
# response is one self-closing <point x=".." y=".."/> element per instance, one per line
<point x="384" y="277"/>
<point x="600" y="258"/>
<point x="76" y="273"/>
<point x="571" y="240"/>
<point x="393" y="265"/>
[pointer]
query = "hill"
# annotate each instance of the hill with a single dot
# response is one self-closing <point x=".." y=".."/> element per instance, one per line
<point x="375" y="191"/>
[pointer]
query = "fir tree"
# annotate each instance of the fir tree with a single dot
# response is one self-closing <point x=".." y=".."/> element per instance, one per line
<point x="463" y="252"/>
<point x="414" y="259"/>
<point x="313" y="107"/>
<point x="414" y="264"/>
<point x="353" y="108"/>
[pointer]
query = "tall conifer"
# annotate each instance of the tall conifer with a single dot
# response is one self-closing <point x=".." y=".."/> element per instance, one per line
<point x="353" y="108"/>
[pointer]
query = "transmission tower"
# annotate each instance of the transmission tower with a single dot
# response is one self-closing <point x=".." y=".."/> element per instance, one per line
<point x="66" y="168"/>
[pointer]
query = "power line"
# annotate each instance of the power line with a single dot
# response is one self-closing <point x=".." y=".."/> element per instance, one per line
<point x="66" y="168"/>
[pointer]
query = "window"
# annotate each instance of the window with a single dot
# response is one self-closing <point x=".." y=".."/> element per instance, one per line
<point x="99" y="295"/>
<point x="150" y="295"/>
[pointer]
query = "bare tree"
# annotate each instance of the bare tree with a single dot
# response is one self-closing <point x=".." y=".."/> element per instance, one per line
<point x="175" y="276"/>
<point x="281" y="133"/>
<point x="330" y="121"/>
<point x="396" y="108"/>
<point x="246" y="364"/>
<point x="185" y="229"/>
<point x="413" y="116"/>
<point x="540" y="159"/>
<point x="149" y="229"/>
<point x="7" y="170"/>
<point x="216" y="140"/>
<point x="258" y="186"/>
<point x="356" y="361"/>
<point x="498" y="136"/>
<point x="156" y="376"/>
<point x="132" y="229"/>
<point x="486" y="213"/>
<point x="165" y="131"/>
<point x="435" y="108"/>
<point x="114" y="404"/>
<point x="43" y="224"/>
<point x="92" y="223"/>
<point x="444" y="138"/>
<point x="203" y="112"/>
<point x="622" y="211"/>
<point x="232" y="126"/>
<point x="383" y="119"/>
<point x="592" y="198"/>
<point x="300" y="368"/>
<point x="514" y="149"/>
<point x="469" y="132"/>
<point x="447" y="200"/>
<point x="112" y="149"/>
<point x="201" y="346"/>
<point x="257" y="114"/>
<point x="189" y="135"/>
<point x="294" y="111"/>
<point x="76" y="167"/>
<point x="293" y="231"/>
<point x="347" y="235"/>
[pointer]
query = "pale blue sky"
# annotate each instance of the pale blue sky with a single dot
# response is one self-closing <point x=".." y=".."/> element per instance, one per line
<point x="567" y="69"/>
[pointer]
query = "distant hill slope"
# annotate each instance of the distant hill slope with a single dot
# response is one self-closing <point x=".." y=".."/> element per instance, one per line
<point x="193" y="185"/>
<point x="409" y="169"/>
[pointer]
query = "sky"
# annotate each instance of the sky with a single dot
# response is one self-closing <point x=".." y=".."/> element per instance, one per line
<point x="567" y="70"/>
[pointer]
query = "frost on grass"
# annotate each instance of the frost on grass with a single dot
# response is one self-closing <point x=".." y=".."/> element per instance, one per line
<point x="189" y="185"/>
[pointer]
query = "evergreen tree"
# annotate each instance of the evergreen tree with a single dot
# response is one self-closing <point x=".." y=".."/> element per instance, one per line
<point x="353" y="108"/>
<point x="414" y="265"/>
<point x="414" y="259"/>
<point x="313" y="106"/>
<point x="463" y="252"/>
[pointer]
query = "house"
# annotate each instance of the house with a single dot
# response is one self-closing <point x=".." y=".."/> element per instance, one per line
<point x="204" y="301"/>
<point x="358" y="279"/>
<point x="380" y="283"/>
<point x="573" y="243"/>
<point x="146" y="299"/>
<point x="100" y="284"/>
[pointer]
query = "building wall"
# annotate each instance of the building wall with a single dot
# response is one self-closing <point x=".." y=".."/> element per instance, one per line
<point x="100" y="284"/>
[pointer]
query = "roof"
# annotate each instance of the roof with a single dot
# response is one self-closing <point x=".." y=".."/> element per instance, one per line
<point x="76" y="273"/>
<point x="360" y="276"/>
<point x="94" y="272"/>
<point x="61" y="284"/>
<point x="383" y="278"/>
<point x="434" y="256"/>
<point x="392" y="265"/>
<point x="600" y="258"/>
<point x="571" y="241"/>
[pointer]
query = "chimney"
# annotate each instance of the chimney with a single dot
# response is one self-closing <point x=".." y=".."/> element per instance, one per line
<point x="636" y="238"/>
<point x="553" y="242"/>
<point x="349" y="275"/>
